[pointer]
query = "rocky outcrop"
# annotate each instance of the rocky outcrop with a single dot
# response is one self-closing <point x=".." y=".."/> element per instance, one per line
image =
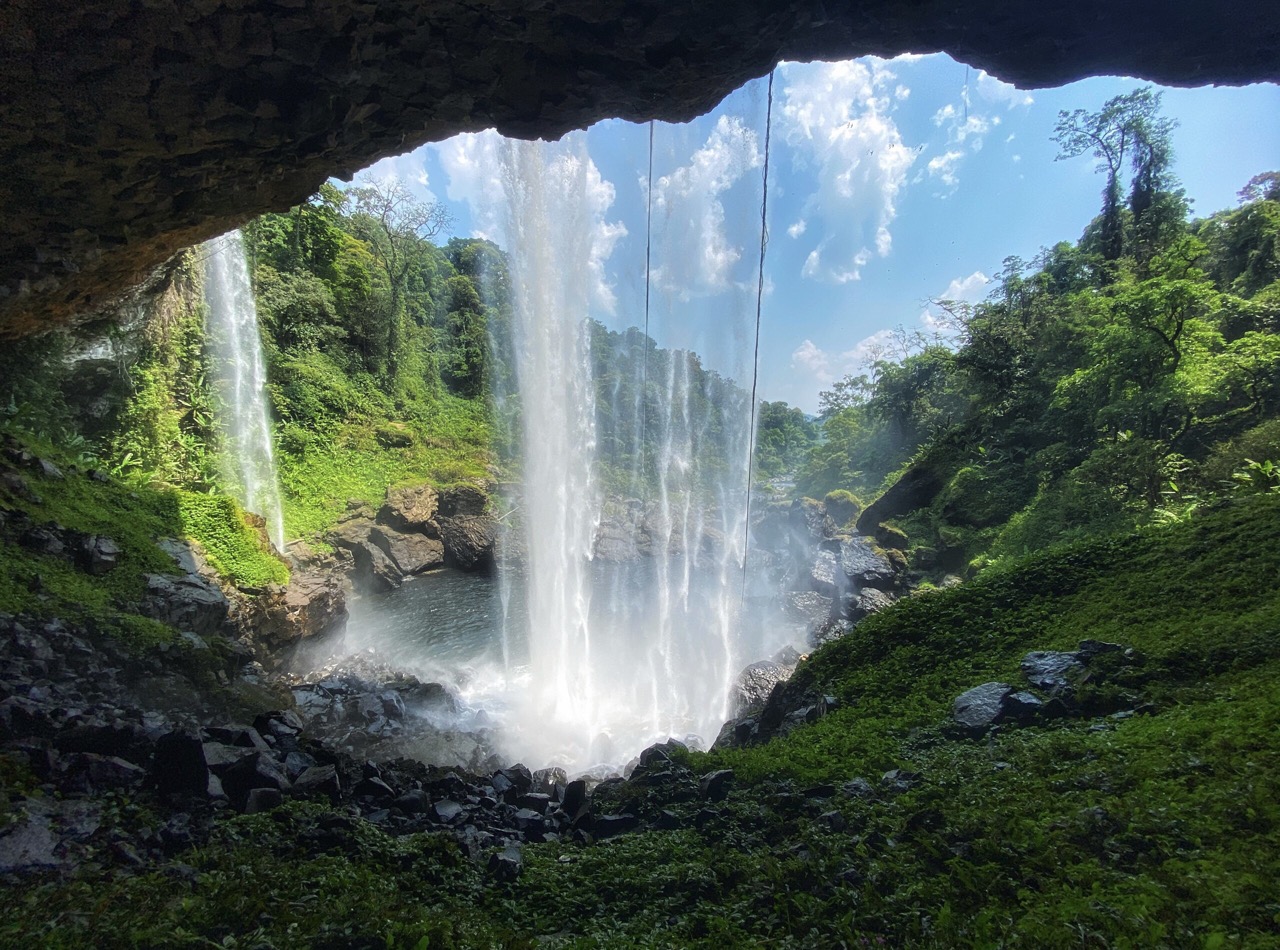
<point x="416" y="529"/>
<point x="166" y="123"/>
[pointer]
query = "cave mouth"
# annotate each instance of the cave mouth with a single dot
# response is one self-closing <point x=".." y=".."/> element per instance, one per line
<point x="131" y="131"/>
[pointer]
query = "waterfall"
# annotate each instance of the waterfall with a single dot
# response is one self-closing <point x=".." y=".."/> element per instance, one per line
<point x="241" y="379"/>
<point x="619" y="655"/>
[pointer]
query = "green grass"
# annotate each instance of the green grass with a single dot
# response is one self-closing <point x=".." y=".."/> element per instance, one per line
<point x="1159" y="830"/>
<point x="320" y="474"/>
<point x="135" y="517"/>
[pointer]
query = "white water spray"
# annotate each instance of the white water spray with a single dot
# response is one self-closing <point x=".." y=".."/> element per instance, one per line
<point x="242" y="379"/>
<point x="619" y="655"/>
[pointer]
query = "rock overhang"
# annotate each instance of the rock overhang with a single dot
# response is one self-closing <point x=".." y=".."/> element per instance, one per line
<point x="132" y="128"/>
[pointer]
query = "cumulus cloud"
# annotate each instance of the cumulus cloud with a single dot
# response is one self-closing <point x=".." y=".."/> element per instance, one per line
<point x="797" y="229"/>
<point x="837" y="120"/>
<point x="822" y="367"/>
<point x="409" y="169"/>
<point x="501" y="180"/>
<point x="998" y="91"/>
<point x="968" y="290"/>
<point x="698" y="254"/>
<point x="943" y="167"/>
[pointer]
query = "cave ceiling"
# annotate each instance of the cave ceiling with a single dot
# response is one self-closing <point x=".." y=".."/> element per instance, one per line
<point x="132" y="128"/>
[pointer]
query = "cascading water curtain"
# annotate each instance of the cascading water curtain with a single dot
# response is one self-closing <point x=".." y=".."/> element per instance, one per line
<point x="241" y="378"/>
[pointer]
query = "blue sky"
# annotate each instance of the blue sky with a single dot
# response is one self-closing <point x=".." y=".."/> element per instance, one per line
<point x="890" y="183"/>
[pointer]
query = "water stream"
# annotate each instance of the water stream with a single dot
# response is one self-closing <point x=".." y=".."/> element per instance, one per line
<point x="241" y="379"/>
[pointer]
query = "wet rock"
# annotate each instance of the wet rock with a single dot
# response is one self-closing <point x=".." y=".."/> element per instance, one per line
<point x="808" y="607"/>
<point x="715" y="785"/>
<point x="104" y="772"/>
<point x="858" y="788"/>
<point x="262" y="799"/>
<point x="756" y="681"/>
<point x="576" y="803"/>
<point x="864" y="603"/>
<point x="549" y="782"/>
<point x="179" y="766"/>
<point x="1023" y="707"/>
<point x="865" y="565"/>
<point x="610" y="826"/>
<point x="319" y="780"/>
<point x="257" y="770"/>
<point x="411" y="509"/>
<point x="187" y="603"/>
<point x="825" y="576"/>
<point x="1051" y="671"/>
<point x="506" y="865"/>
<point x="978" y="709"/>
<point x="447" y="811"/>
<point x="29" y="844"/>
<point x="99" y="555"/>
<point x="411" y="553"/>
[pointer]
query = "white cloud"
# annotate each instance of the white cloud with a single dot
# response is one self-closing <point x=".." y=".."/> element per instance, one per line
<point x="797" y="229"/>
<point x="943" y="167"/>
<point x="901" y="92"/>
<point x="822" y="368"/>
<point x="836" y="118"/>
<point x="487" y="171"/>
<point x="970" y="290"/>
<point x="409" y="169"/>
<point x="698" y="255"/>
<point x="999" y="91"/>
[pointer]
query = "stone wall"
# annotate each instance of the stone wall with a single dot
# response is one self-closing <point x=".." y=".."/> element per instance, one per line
<point x="132" y="128"/>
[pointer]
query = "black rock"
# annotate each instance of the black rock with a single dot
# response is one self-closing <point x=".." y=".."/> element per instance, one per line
<point x="319" y="780"/>
<point x="834" y="820"/>
<point x="715" y="785"/>
<point x="609" y="826"/>
<point x="447" y="811"/>
<point x="262" y="799"/>
<point x="978" y="709"/>
<point x="374" y="788"/>
<point x="858" y="788"/>
<point x="1023" y="707"/>
<point x="575" y="804"/>
<point x="534" y="801"/>
<point x="506" y="864"/>
<point x="258" y="770"/>
<point x="413" y="802"/>
<point x="1051" y="670"/>
<point x="179" y="765"/>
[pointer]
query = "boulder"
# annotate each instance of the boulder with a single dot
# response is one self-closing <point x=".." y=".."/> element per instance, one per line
<point x="865" y="565"/>
<point x="179" y="765"/>
<point x="187" y="602"/>
<point x="469" y="541"/>
<point x="257" y="770"/>
<point x="506" y="865"/>
<point x="825" y="575"/>
<point x="411" y="509"/>
<point x="99" y="555"/>
<point x="1051" y="670"/>
<point x="715" y="785"/>
<point x="808" y="607"/>
<point x="756" y="681"/>
<point x="862" y="604"/>
<point x="411" y="553"/>
<point x="978" y="709"/>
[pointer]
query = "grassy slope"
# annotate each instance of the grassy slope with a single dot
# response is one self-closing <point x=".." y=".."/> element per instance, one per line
<point x="1157" y="830"/>
<point x="320" y="475"/>
<point x="134" y="517"/>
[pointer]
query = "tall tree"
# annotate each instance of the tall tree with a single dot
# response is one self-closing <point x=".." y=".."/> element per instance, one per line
<point x="1127" y="130"/>
<point x="394" y="223"/>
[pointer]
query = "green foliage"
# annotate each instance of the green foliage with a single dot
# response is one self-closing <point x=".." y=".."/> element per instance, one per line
<point x="235" y="546"/>
<point x="1152" y="830"/>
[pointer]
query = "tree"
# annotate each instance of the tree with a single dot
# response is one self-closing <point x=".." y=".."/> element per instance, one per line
<point x="395" y="223"/>
<point x="1127" y="130"/>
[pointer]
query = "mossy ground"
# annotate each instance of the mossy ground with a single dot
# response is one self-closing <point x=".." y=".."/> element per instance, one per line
<point x="134" y="517"/>
<point x="321" y="474"/>
<point x="1157" y="830"/>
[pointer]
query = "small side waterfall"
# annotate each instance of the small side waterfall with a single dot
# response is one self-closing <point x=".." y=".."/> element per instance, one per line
<point x="241" y="378"/>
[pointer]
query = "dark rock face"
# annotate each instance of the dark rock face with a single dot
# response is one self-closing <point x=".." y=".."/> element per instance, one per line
<point x="982" y="707"/>
<point x="167" y="123"/>
<point x="415" y="530"/>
